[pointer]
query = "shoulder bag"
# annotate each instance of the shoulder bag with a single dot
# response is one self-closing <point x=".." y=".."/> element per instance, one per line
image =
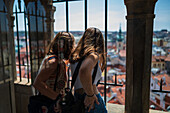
<point x="70" y="104"/>
<point x="37" y="101"/>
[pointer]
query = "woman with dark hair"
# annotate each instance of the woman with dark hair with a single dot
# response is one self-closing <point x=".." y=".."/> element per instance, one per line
<point x="90" y="48"/>
<point x="53" y="67"/>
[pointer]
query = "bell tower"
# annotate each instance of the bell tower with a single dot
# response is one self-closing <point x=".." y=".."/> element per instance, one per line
<point x="119" y="40"/>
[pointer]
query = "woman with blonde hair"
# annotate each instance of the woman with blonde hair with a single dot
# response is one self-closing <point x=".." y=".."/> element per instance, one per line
<point x="90" y="49"/>
<point x="51" y="78"/>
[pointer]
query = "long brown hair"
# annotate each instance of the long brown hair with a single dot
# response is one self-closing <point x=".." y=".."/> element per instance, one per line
<point x="91" y="41"/>
<point x="62" y="45"/>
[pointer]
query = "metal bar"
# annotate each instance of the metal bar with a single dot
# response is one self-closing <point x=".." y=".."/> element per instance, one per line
<point x="68" y="73"/>
<point x="163" y="91"/>
<point x="26" y="40"/>
<point x="112" y="84"/>
<point x="30" y="14"/>
<point x="115" y="78"/>
<point x="37" y="33"/>
<point x="18" y="12"/>
<point x="160" y="90"/>
<point x="43" y="32"/>
<point x="67" y="17"/>
<point x="105" y="76"/>
<point x="32" y="11"/>
<point x="18" y="45"/>
<point x="65" y="0"/>
<point x="21" y="65"/>
<point x="19" y="5"/>
<point x="2" y="55"/>
<point x="102" y="83"/>
<point x="5" y="18"/>
<point x="161" y="85"/>
<point x="29" y="32"/>
<point x="39" y="13"/>
<point x="10" y="94"/>
<point x="85" y="5"/>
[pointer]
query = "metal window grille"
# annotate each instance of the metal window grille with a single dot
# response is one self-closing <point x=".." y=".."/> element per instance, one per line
<point x="29" y="57"/>
<point x="5" y="60"/>
<point x="67" y="30"/>
<point x="35" y="47"/>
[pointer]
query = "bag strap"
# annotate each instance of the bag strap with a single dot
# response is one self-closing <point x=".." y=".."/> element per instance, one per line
<point x="75" y="74"/>
<point x="94" y="73"/>
<point x="58" y="72"/>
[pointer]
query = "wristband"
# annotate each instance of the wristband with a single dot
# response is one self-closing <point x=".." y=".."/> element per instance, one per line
<point x="91" y="95"/>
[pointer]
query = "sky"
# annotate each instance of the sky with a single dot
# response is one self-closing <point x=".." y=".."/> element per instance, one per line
<point x="162" y="18"/>
<point x="96" y="15"/>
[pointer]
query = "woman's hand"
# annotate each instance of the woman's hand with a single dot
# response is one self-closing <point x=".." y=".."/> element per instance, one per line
<point x="89" y="102"/>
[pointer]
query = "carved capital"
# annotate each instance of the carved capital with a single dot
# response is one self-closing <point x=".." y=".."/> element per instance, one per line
<point x="11" y="19"/>
<point x="140" y="7"/>
<point x="9" y="5"/>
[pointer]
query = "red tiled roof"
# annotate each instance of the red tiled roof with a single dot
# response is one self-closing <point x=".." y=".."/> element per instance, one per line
<point x="167" y="77"/>
<point x="167" y="58"/>
<point x="23" y="50"/>
<point x="122" y="53"/>
<point x="167" y="81"/>
<point x="121" y="67"/>
<point x="158" y="107"/>
<point x="167" y="99"/>
<point x="158" y="58"/>
<point x="108" y="68"/>
<point x="120" y="97"/>
<point x="114" y="100"/>
<point x="119" y="77"/>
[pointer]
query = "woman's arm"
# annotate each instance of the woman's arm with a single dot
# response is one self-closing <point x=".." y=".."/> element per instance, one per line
<point x="48" y="68"/>
<point x="85" y="74"/>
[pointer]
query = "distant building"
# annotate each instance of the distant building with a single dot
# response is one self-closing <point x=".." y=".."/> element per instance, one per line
<point x="167" y="64"/>
<point x="158" y="99"/>
<point x="164" y="30"/>
<point x="120" y="40"/>
<point x="115" y="94"/>
<point x="158" y="62"/>
<point x="158" y="51"/>
<point x="160" y="42"/>
<point x="122" y="54"/>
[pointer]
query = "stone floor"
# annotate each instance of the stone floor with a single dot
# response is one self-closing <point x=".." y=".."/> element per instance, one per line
<point x="115" y="108"/>
<point x="23" y="82"/>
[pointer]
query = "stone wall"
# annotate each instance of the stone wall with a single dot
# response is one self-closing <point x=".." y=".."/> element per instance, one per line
<point x="22" y="94"/>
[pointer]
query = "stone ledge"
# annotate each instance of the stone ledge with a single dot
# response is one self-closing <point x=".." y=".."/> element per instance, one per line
<point x="23" y="82"/>
<point x="116" y="108"/>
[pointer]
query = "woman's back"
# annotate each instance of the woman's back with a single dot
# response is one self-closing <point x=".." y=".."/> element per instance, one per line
<point x="78" y="84"/>
<point x="51" y="66"/>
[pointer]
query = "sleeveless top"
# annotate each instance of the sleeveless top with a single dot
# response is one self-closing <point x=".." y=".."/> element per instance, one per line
<point x="53" y="71"/>
<point x="78" y="84"/>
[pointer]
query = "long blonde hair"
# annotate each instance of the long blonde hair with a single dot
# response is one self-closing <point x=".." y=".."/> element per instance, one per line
<point x="91" y="41"/>
<point x="62" y="45"/>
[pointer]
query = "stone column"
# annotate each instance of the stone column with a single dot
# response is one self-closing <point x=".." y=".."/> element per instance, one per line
<point x="140" y="15"/>
<point x="50" y="9"/>
<point x="9" y="5"/>
<point x="11" y="19"/>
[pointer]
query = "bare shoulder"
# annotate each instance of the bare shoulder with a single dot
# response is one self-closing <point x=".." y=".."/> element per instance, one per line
<point x="51" y="62"/>
<point x="89" y="62"/>
<point x="94" y="57"/>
